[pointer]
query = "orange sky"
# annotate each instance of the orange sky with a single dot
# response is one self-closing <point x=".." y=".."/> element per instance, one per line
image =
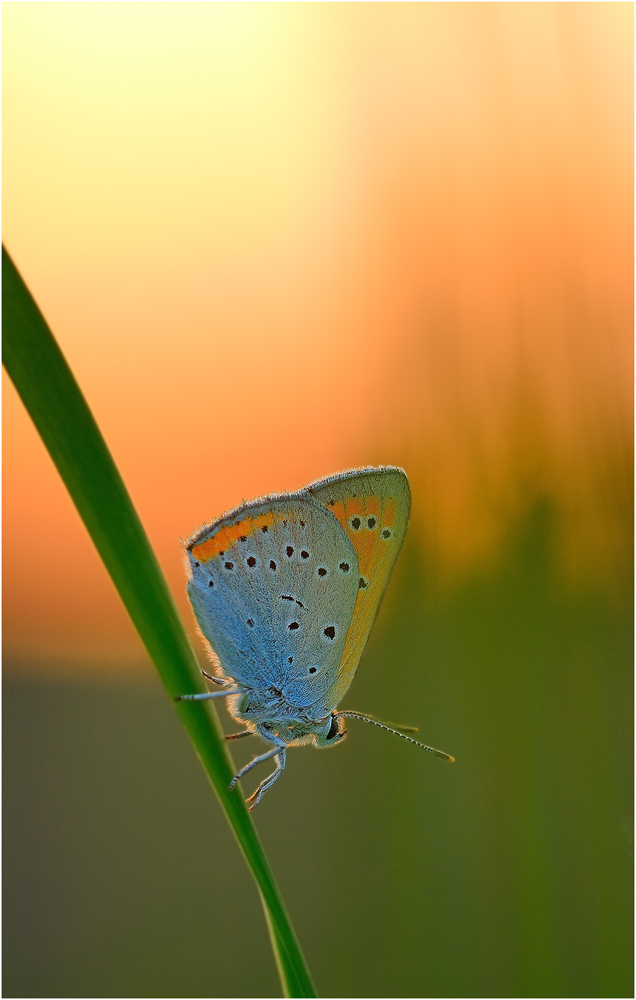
<point x="276" y="240"/>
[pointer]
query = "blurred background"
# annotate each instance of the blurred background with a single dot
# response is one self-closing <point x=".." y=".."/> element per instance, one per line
<point x="276" y="241"/>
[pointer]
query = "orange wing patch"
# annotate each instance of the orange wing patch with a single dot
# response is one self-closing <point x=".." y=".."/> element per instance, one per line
<point x="228" y="535"/>
<point x="389" y="514"/>
<point x="363" y="518"/>
<point x="370" y="524"/>
<point x="380" y="499"/>
<point x="338" y="511"/>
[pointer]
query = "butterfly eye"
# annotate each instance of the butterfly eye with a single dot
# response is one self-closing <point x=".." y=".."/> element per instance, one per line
<point x="334" y="728"/>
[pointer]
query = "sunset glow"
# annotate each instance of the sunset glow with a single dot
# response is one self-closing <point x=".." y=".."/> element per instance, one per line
<point x="278" y="240"/>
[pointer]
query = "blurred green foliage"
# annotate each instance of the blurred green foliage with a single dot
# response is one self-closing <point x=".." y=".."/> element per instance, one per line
<point x="507" y="874"/>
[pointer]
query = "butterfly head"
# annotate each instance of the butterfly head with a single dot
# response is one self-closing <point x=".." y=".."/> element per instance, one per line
<point x="299" y="731"/>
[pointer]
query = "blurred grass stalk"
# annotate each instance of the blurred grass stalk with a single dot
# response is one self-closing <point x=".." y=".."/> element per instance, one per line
<point x="61" y="415"/>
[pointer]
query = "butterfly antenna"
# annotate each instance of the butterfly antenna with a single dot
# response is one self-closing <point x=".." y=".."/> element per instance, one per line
<point x="397" y="730"/>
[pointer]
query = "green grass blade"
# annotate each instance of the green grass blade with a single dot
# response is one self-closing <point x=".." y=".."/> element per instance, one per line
<point x="61" y="415"/>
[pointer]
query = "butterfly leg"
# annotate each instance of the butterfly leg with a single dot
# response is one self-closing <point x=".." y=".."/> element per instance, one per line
<point x="264" y="785"/>
<point x="239" y="736"/>
<point x="279" y="752"/>
<point x="215" y="680"/>
<point x="208" y="694"/>
<point x="253" y="763"/>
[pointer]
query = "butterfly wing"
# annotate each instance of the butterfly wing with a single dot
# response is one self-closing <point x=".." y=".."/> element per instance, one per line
<point x="372" y="506"/>
<point x="273" y="585"/>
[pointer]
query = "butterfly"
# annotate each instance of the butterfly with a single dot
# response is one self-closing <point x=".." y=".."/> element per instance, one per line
<point x="285" y="590"/>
